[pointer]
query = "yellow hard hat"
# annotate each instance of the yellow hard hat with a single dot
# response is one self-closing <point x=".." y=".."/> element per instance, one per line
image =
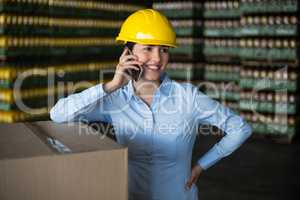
<point x="147" y="26"/>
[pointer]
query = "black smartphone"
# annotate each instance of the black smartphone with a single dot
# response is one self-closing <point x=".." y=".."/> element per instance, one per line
<point x="135" y="74"/>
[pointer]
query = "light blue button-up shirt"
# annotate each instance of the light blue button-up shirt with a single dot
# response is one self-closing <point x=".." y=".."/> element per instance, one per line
<point x="159" y="137"/>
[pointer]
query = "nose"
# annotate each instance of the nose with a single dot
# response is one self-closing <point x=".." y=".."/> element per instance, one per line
<point x="156" y="57"/>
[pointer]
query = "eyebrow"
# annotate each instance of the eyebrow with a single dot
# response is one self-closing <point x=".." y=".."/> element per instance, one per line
<point x="152" y="45"/>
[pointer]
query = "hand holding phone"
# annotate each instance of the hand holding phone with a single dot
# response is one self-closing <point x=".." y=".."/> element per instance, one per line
<point x="128" y="64"/>
<point x="135" y="74"/>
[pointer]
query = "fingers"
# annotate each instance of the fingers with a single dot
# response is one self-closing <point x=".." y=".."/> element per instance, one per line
<point x="135" y="64"/>
<point x="190" y="182"/>
<point x="132" y="67"/>
<point x="127" y="63"/>
<point x="126" y="55"/>
<point x="125" y="51"/>
<point x="196" y="171"/>
<point x="128" y="58"/>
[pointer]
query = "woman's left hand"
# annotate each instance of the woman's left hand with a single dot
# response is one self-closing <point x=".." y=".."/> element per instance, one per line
<point x="196" y="171"/>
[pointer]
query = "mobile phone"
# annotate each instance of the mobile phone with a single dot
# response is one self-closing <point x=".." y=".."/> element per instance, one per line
<point x="135" y="74"/>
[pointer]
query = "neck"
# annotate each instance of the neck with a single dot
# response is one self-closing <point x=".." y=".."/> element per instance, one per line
<point x="146" y="87"/>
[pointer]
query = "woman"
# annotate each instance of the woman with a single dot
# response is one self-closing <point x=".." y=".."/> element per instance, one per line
<point x="155" y="117"/>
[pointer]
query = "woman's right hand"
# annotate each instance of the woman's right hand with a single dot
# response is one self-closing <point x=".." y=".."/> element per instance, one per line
<point x="126" y="62"/>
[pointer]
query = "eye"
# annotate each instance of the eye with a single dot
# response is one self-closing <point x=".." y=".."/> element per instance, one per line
<point x="147" y="48"/>
<point x="164" y="50"/>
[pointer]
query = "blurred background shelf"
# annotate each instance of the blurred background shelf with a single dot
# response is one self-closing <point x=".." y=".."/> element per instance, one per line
<point x="242" y="53"/>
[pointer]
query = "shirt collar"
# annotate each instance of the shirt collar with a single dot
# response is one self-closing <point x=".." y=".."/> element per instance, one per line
<point x="164" y="88"/>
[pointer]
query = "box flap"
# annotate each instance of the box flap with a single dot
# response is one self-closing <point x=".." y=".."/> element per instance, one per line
<point x="16" y="141"/>
<point x="21" y="140"/>
<point x="78" y="137"/>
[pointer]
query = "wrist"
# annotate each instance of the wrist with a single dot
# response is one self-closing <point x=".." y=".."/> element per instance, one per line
<point x="199" y="168"/>
<point x="110" y="86"/>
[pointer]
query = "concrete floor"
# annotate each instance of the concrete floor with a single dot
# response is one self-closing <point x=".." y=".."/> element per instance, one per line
<point x="259" y="170"/>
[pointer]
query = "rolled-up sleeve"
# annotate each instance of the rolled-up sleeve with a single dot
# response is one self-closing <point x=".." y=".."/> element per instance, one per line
<point x="89" y="105"/>
<point x="237" y="130"/>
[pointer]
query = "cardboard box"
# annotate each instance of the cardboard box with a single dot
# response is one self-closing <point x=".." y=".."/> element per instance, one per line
<point x="48" y="161"/>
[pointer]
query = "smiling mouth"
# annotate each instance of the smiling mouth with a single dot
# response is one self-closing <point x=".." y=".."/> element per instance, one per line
<point x="153" y="67"/>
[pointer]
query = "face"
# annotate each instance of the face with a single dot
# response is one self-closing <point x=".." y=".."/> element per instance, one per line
<point x="155" y="59"/>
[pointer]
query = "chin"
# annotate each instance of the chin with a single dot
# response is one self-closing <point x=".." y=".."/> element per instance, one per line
<point x="151" y="77"/>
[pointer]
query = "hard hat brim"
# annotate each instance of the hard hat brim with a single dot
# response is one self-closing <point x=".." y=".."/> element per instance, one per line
<point x="122" y="40"/>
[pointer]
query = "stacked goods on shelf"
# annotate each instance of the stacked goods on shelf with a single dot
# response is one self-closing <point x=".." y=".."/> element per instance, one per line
<point x="269" y="78"/>
<point x="186" y="19"/>
<point x="221" y="51"/>
<point x="20" y="34"/>
<point x="49" y="49"/>
<point x="84" y="30"/>
<point x="39" y="82"/>
<point x="223" y="83"/>
<point x="185" y="71"/>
